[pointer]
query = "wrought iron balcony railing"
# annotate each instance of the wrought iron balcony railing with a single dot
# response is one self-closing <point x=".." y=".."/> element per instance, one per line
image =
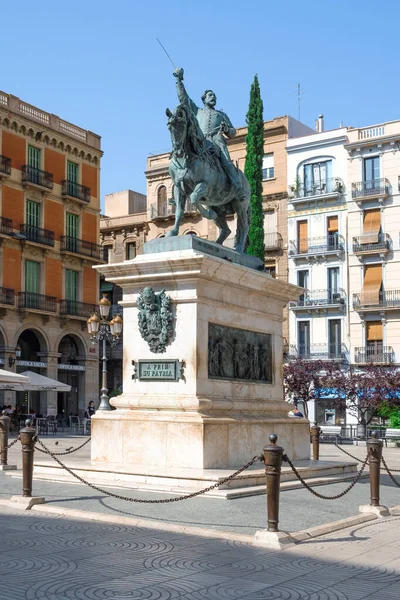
<point x="366" y="243"/>
<point x="372" y="187"/>
<point x="333" y="185"/>
<point x="77" y="246"/>
<point x="76" y="309"/>
<point x="375" y="353"/>
<point x="37" y="177"/>
<point x="387" y="299"/>
<point x="5" y="165"/>
<point x="330" y="351"/>
<point x="272" y="241"/>
<point x="6" y="226"/>
<point x="31" y="300"/>
<point x="75" y="190"/>
<point x="318" y="298"/>
<point x="7" y="296"/>
<point x="317" y="246"/>
<point x="37" y="234"/>
<point x="168" y="210"/>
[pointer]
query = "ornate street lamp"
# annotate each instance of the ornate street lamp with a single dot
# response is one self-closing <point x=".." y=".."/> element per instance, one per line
<point x="102" y="329"/>
<point x="11" y="359"/>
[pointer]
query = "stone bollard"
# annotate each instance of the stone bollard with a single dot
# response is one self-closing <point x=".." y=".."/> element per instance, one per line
<point x="315" y="432"/>
<point x="273" y="538"/>
<point x="27" y="437"/>
<point x="374" y="448"/>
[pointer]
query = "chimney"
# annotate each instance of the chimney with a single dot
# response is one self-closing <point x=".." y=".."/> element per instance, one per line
<point x="321" y="123"/>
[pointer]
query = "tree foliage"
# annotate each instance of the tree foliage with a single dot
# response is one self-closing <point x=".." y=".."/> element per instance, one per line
<point x="253" y="169"/>
<point x="301" y="379"/>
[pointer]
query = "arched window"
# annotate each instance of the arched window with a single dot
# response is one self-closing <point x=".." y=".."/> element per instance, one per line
<point x="162" y="201"/>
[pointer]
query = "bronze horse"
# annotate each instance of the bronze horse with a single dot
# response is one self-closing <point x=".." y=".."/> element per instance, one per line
<point x="198" y="175"/>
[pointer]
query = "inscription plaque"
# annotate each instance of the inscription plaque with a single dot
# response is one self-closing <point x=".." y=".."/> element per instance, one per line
<point x="239" y="354"/>
<point x="158" y="370"/>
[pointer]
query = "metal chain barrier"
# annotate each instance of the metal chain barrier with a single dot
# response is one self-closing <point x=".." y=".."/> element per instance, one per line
<point x="140" y="501"/>
<point x="13" y="443"/>
<point x="322" y="496"/>
<point x="63" y="453"/>
<point x="388" y="471"/>
<point x="348" y="453"/>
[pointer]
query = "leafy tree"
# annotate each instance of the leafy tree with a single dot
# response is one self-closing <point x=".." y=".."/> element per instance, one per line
<point x="253" y="169"/>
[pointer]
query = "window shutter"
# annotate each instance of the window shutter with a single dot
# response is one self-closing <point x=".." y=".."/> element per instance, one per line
<point x="72" y="172"/>
<point x="372" y="285"/>
<point x="32" y="277"/>
<point x="302" y="236"/>
<point x="371" y="226"/>
<point x="374" y="331"/>
<point x="333" y="224"/>
<point x="71" y="285"/>
<point x="268" y="161"/>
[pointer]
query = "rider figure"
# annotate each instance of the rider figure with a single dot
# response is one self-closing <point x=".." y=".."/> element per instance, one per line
<point x="213" y="124"/>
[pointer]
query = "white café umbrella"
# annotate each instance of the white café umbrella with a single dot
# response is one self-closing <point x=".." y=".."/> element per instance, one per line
<point x="11" y="381"/>
<point x="40" y="383"/>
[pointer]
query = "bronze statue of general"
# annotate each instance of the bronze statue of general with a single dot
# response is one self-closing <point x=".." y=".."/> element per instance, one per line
<point x="213" y="123"/>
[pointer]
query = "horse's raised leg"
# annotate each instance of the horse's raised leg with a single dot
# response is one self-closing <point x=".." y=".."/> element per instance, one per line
<point x="200" y="191"/>
<point x="180" y="200"/>
<point x="223" y="227"/>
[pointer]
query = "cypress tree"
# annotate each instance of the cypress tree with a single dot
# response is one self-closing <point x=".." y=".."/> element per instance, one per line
<point x="253" y="169"/>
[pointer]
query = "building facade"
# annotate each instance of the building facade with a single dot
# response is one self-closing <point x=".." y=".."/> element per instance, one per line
<point x="49" y="223"/>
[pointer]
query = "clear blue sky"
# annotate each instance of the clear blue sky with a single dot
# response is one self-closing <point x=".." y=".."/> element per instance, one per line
<point x="98" y="65"/>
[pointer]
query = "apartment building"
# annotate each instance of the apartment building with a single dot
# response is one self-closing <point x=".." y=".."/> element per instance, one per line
<point x="49" y="223"/>
<point x="374" y="252"/>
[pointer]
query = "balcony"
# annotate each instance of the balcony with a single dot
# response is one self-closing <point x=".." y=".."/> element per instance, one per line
<point x="6" y="226"/>
<point x="320" y="300"/>
<point x="328" y="245"/>
<point x="272" y="242"/>
<point x="37" y="234"/>
<point x="5" y="166"/>
<point x="375" y="354"/>
<point x="364" y="244"/>
<point x="83" y="247"/>
<point x="370" y="190"/>
<point x="166" y="211"/>
<point x="331" y="351"/>
<point x="36" y="178"/>
<point x="7" y="296"/>
<point x="325" y="190"/>
<point x="73" y="190"/>
<point x="39" y="302"/>
<point x="72" y="308"/>
<point x="388" y="300"/>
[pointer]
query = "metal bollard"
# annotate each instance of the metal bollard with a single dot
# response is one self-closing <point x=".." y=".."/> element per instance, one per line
<point x="273" y="463"/>
<point x="315" y="432"/>
<point x="374" y="447"/>
<point x="4" y="429"/>
<point x="27" y="436"/>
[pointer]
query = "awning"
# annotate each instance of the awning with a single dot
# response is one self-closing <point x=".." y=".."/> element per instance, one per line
<point x="11" y="381"/>
<point x="372" y="285"/>
<point x="371" y="226"/>
<point x="41" y="383"/>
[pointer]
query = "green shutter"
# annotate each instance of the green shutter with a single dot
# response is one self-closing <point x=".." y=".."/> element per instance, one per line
<point x="72" y="172"/>
<point x="34" y="157"/>
<point x="32" y="213"/>
<point x="72" y="226"/>
<point x="32" y="277"/>
<point x="71" y="285"/>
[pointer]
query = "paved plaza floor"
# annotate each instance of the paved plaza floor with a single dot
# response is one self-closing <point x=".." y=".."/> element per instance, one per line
<point x="55" y="558"/>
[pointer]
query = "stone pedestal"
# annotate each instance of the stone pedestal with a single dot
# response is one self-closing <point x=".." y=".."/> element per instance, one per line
<point x="202" y="421"/>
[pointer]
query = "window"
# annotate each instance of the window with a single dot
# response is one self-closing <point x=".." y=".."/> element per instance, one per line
<point x="303" y="281"/>
<point x="371" y="170"/>
<point x="374" y="341"/>
<point x="335" y="338"/>
<point x="34" y="164"/>
<point x="71" y="230"/>
<point x="32" y="284"/>
<point x="71" y="285"/>
<point x="268" y="170"/>
<point x="162" y="201"/>
<point x="332" y="226"/>
<point x="72" y="178"/>
<point x="318" y="178"/>
<point x="130" y="250"/>
<point x="370" y="293"/>
<point x="302" y="237"/>
<point x="333" y="283"/>
<point x="271" y="270"/>
<point x="303" y="338"/>
<point x="106" y="250"/>
<point x="371" y="226"/>
<point x="32" y="213"/>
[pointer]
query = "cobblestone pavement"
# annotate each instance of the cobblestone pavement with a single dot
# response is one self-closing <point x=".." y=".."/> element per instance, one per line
<point x="50" y="558"/>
